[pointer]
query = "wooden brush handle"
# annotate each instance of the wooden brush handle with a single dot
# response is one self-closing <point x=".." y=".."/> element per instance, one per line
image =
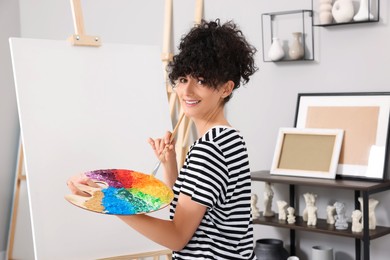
<point x="174" y="132"/>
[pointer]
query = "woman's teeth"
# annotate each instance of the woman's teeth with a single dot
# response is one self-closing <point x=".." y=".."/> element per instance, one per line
<point x="192" y="102"/>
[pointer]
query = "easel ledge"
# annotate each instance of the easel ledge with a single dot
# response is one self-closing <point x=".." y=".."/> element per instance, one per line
<point x="155" y="254"/>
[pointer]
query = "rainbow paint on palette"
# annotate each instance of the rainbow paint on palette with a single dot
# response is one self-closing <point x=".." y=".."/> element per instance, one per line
<point x="127" y="192"/>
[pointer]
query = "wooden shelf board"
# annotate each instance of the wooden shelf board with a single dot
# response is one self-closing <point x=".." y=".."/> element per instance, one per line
<point x="321" y="227"/>
<point x="360" y="185"/>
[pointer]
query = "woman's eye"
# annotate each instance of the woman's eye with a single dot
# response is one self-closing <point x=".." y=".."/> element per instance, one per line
<point x="201" y="81"/>
<point x="182" y="80"/>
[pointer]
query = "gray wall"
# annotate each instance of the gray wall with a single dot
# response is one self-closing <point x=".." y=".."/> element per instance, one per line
<point x="351" y="58"/>
<point x="9" y="125"/>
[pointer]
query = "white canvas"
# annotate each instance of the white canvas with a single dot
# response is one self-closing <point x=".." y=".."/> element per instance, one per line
<point x="80" y="109"/>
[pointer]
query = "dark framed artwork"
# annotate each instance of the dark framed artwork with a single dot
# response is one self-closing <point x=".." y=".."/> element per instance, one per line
<point x="364" y="117"/>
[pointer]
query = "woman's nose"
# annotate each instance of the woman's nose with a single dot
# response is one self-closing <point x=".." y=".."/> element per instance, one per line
<point x="190" y="84"/>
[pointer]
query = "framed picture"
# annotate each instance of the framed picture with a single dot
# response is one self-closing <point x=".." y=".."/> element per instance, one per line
<point x="307" y="152"/>
<point x="364" y="117"/>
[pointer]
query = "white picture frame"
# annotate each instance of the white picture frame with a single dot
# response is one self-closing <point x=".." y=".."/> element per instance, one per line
<point x="307" y="152"/>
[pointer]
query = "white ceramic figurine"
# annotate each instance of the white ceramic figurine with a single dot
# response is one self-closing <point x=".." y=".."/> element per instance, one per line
<point x="282" y="209"/>
<point x="310" y="200"/>
<point x="268" y="197"/>
<point x="255" y="209"/>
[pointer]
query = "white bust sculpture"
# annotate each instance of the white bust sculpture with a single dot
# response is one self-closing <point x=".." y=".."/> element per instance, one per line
<point x="255" y="209"/>
<point x="282" y="209"/>
<point x="341" y="221"/>
<point x="268" y="196"/>
<point x="357" y="226"/>
<point x="372" y="203"/>
<point x="310" y="200"/>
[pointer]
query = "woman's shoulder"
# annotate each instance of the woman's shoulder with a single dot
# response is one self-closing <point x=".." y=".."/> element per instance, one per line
<point x="222" y="136"/>
<point x="219" y="136"/>
<point x="219" y="131"/>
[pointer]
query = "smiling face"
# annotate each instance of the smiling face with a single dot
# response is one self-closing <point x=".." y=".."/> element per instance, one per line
<point x="201" y="102"/>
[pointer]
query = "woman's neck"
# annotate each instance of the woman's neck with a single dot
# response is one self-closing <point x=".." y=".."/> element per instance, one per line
<point x="203" y="125"/>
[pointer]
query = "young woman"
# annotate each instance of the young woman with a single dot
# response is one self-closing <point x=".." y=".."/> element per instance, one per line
<point x="210" y="215"/>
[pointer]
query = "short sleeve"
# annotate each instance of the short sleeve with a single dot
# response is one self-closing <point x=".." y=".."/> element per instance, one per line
<point x="206" y="175"/>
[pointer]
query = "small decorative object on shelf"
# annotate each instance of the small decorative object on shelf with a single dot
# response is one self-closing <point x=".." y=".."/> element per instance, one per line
<point x="268" y="196"/>
<point x="325" y="15"/>
<point x="312" y="216"/>
<point x="372" y="203"/>
<point x="276" y="51"/>
<point x="269" y="248"/>
<point x="282" y="209"/>
<point x="341" y="220"/>
<point x="310" y="200"/>
<point x="357" y="226"/>
<point x="296" y="51"/>
<point x="330" y="212"/>
<point x="255" y="209"/>
<point x="364" y="13"/>
<point x="290" y="215"/>
<point x="343" y="11"/>
<point x="321" y="253"/>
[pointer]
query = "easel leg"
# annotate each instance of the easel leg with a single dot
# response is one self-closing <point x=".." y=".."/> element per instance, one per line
<point x="174" y="104"/>
<point x="18" y="179"/>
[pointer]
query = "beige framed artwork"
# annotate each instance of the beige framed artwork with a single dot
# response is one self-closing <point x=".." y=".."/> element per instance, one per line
<point x="364" y="117"/>
<point x="307" y="152"/>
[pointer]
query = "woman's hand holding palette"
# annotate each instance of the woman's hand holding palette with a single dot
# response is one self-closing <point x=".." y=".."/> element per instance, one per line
<point x="124" y="192"/>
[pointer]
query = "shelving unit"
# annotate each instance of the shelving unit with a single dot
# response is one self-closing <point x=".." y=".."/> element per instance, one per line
<point x="374" y="8"/>
<point x="282" y="25"/>
<point x="361" y="189"/>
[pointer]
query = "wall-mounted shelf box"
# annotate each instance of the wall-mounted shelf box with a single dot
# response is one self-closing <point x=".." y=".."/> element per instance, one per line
<point x="282" y="25"/>
<point x="373" y="9"/>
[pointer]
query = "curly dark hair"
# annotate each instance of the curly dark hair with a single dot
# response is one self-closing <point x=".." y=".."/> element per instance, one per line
<point x="217" y="53"/>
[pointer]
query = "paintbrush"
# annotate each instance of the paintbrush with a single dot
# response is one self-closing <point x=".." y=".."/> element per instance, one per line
<point x="166" y="147"/>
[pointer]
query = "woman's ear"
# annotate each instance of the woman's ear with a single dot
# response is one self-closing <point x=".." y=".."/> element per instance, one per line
<point x="227" y="89"/>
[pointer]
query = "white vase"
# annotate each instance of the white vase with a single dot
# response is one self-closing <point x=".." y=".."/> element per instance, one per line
<point x="325" y="12"/>
<point x="296" y="51"/>
<point x="321" y="253"/>
<point x="276" y="51"/>
<point x="326" y="17"/>
<point x="342" y="11"/>
<point x="363" y="14"/>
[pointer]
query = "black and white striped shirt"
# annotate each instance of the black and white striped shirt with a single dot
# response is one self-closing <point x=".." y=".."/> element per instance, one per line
<point x="216" y="174"/>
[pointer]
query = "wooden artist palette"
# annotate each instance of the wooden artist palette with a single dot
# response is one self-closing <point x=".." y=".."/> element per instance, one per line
<point x="123" y="192"/>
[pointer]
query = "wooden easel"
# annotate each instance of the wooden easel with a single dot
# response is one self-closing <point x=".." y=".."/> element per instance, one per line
<point x="174" y="105"/>
<point x="81" y="39"/>
<point x="167" y="254"/>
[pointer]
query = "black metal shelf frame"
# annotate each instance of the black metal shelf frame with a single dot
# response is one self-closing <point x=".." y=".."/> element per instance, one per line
<point x="269" y="20"/>
<point x="360" y="188"/>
